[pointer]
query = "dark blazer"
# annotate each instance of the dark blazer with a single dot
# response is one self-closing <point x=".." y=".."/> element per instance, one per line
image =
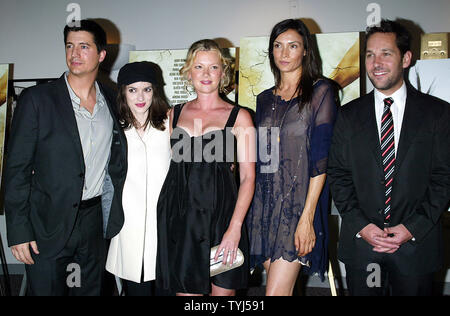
<point x="421" y="184"/>
<point x="44" y="173"/>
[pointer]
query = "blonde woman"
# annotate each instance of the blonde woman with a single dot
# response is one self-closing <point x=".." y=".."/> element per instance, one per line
<point x="200" y="205"/>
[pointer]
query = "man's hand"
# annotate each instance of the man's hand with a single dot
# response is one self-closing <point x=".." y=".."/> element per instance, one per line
<point x="378" y="239"/>
<point x="397" y="236"/>
<point x="22" y="252"/>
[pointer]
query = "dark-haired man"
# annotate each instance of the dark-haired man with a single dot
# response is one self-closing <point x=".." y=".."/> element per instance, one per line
<point x="65" y="168"/>
<point x="389" y="175"/>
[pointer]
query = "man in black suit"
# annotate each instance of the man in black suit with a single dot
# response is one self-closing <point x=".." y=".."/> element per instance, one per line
<point x="65" y="168"/>
<point x="389" y="174"/>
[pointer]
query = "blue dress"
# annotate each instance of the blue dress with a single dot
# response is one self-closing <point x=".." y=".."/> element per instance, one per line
<point x="292" y="148"/>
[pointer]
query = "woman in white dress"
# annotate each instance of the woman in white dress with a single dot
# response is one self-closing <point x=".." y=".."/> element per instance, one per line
<point x="143" y="113"/>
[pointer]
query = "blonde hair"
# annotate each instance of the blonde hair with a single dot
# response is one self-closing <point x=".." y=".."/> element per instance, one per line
<point x="208" y="45"/>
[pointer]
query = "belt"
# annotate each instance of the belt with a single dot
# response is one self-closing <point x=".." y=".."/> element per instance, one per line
<point x="91" y="202"/>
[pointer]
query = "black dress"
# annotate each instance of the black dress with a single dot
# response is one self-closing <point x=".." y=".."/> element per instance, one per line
<point x="195" y="207"/>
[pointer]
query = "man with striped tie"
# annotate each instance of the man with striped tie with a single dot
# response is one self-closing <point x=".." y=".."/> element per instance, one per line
<point x="389" y="172"/>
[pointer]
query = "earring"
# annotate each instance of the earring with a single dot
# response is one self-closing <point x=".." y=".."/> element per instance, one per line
<point x="189" y="87"/>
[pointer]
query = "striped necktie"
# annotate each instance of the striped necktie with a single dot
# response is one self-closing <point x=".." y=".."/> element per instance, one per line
<point x="387" y="155"/>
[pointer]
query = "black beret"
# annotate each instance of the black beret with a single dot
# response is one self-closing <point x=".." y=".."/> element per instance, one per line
<point x="135" y="72"/>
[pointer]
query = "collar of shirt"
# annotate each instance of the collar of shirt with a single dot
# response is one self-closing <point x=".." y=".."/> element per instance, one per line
<point x="399" y="97"/>
<point x="76" y="102"/>
<point x="397" y="110"/>
<point x="132" y="132"/>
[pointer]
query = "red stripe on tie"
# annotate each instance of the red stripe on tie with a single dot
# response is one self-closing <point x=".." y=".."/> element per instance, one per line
<point x="387" y="167"/>
<point x="390" y="146"/>
<point x="388" y="217"/>
<point x="387" y="132"/>
<point x="388" y="200"/>
<point x="385" y="117"/>
<point x="390" y="181"/>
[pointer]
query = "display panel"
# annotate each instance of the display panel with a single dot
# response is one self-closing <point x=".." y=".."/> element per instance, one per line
<point x="339" y="54"/>
<point x="170" y="62"/>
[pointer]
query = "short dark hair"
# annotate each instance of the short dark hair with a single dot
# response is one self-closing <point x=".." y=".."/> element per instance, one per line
<point x="402" y="36"/>
<point x="89" y="26"/>
<point x="310" y="66"/>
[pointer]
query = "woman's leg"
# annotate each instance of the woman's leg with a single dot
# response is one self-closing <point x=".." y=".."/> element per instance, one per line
<point x="220" y="291"/>
<point x="187" y="294"/>
<point x="281" y="277"/>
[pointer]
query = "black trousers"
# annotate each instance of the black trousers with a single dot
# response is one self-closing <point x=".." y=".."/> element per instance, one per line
<point x="383" y="278"/>
<point x="78" y="269"/>
<point x="148" y="288"/>
<point x="139" y="289"/>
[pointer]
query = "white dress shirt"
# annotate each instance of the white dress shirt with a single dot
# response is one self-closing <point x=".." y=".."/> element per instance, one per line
<point x="397" y="110"/>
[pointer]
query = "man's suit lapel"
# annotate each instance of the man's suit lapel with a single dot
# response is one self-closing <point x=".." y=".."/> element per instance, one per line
<point x="65" y="109"/>
<point x="117" y="130"/>
<point x="110" y="104"/>
<point x="368" y="123"/>
<point x="412" y="120"/>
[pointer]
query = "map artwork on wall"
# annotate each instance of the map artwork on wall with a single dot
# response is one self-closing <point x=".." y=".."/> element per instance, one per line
<point x="170" y="62"/>
<point x="339" y="53"/>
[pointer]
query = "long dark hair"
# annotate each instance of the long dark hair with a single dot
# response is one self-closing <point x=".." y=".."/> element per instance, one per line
<point x="310" y="67"/>
<point x="157" y="112"/>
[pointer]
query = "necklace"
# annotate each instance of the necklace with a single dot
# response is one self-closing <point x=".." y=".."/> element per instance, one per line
<point x="275" y="105"/>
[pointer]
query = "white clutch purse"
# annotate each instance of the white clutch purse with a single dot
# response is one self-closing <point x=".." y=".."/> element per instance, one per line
<point x="217" y="267"/>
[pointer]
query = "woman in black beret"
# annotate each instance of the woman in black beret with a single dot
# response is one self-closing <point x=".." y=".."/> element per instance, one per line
<point x="143" y="113"/>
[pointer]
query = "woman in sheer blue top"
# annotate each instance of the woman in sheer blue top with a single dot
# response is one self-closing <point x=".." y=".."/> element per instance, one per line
<point x="287" y="222"/>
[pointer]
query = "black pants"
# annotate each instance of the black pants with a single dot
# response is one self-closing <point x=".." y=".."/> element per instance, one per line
<point x="148" y="288"/>
<point x="382" y="280"/>
<point x="139" y="289"/>
<point x="78" y="269"/>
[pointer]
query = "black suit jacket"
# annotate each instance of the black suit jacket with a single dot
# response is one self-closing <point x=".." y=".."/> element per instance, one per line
<point x="421" y="181"/>
<point x="44" y="173"/>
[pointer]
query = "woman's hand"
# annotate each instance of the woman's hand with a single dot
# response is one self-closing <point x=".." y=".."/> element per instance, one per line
<point x="246" y="144"/>
<point x="229" y="245"/>
<point x="305" y="237"/>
